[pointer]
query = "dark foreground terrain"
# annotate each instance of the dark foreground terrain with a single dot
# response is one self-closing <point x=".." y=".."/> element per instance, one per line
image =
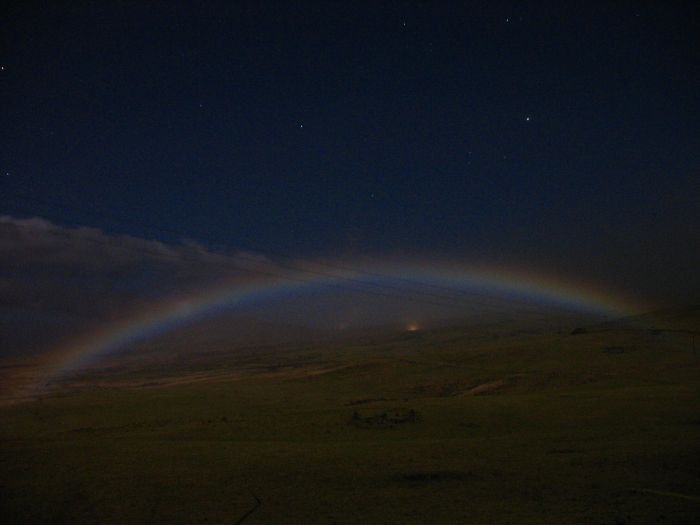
<point x="505" y="423"/>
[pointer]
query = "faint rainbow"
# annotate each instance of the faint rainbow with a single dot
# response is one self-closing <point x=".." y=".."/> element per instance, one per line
<point x="180" y="310"/>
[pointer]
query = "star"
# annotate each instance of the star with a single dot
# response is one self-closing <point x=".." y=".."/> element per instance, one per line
<point x="527" y="119"/>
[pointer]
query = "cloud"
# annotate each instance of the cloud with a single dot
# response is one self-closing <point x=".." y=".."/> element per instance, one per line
<point x="57" y="279"/>
<point x="35" y="242"/>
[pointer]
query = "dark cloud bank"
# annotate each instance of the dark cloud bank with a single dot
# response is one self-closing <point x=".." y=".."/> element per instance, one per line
<point x="58" y="281"/>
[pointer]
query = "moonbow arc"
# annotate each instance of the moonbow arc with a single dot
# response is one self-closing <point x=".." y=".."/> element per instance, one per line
<point x="178" y="311"/>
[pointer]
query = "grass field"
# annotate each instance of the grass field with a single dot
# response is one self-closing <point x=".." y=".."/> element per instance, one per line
<point x="505" y="423"/>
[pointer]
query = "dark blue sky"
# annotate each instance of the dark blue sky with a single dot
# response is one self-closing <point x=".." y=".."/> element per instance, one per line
<point x="561" y="133"/>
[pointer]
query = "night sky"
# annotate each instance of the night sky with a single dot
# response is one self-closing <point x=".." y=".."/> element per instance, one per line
<point x="550" y="135"/>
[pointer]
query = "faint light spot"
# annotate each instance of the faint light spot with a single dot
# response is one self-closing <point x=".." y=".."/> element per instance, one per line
<point x="527" y="118"/>
<point x="185" y="307"/>
<point x="412" y="327"/>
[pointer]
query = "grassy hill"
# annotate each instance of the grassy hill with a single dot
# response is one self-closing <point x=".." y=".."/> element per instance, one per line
<point x="508" y="422"/>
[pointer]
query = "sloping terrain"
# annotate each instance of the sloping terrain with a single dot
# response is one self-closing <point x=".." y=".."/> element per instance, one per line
<point x="507" y="423"/>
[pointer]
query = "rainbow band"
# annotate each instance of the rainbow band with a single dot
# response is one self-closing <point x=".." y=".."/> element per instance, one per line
<point x="175" y="312"/>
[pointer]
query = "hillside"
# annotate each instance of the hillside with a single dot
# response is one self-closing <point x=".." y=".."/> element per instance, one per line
<point x="505" y="423"/>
